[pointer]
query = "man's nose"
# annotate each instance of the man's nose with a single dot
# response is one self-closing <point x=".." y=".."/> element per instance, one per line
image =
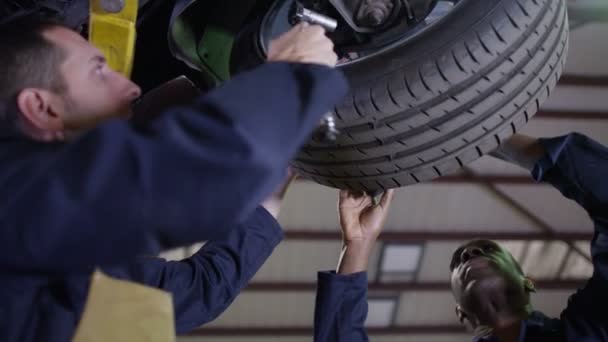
<point x="470" y="253"/>
<point x="134" y="92"/>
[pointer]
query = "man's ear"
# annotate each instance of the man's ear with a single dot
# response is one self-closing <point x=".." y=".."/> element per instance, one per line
<point x="35" y="106"/>
<point x="529" y="285"/>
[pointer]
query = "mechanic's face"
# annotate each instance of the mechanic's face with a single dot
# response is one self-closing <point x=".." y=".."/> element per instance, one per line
<point x="94" y="92"/>
<point x="487" y="283"/>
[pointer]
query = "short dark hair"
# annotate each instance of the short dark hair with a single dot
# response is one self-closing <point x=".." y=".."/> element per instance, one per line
<point x="27" y="58"/>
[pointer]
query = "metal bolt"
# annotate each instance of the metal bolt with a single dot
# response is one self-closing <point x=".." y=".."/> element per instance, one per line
<point x="374" y="12"/>
<point x="327" y="131"/>
<point x="112" y="6"/>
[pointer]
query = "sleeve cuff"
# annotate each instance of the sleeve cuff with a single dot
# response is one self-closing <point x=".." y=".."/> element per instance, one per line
<point x="353" y="280"/>
<point x="553" y="149"/>
<point x="271" y="227"/>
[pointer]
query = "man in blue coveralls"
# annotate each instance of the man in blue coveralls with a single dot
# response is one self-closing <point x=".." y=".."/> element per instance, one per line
<point x="82" y="187"/>
<point x="491" y="291"/>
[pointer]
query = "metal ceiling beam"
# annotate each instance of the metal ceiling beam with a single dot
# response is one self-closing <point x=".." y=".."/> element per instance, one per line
<point x="440" y="286"/>
<point x="421" y="235"/>
<point x="583" y="81"/>
<point x="293" y="331"/>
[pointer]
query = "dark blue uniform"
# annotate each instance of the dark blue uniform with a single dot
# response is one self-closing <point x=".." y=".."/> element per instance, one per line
<point x="576" y="166"/>
<point x="195" y="173"/>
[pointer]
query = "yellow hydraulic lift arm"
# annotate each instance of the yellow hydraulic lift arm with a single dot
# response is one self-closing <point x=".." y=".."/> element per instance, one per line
<point x="112" y="30"/>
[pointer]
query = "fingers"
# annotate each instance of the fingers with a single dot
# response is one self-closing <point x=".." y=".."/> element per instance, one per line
<point x="304" y="43"/>
<point x="344" y="194"/>
<point x="316" y="31"/>
<point x="387" y="198"/>
<point x="281" y="190"/>
<point x="292" y="174"/>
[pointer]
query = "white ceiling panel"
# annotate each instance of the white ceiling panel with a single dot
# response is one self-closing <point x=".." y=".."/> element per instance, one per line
<point x="380" y="312"/>
<point x="403" y="258"/>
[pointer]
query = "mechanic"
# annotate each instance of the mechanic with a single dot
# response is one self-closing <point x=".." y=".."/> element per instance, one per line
<point x="87" y="188"/>
<point x="341" y="304"/>
<point x="491" y="290"/>
<point x="84" y="188"/>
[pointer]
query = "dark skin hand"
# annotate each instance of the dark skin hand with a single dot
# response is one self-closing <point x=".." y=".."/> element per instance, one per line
<point x="361" y="222"/>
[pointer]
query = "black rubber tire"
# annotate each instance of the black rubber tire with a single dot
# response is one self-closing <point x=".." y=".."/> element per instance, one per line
<point x="444" y="98"/>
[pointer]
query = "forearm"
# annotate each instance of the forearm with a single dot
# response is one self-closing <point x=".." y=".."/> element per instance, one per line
<point x="205" y="284"/>
<point x="520" y="150"/>
<point x="355" y="256"/>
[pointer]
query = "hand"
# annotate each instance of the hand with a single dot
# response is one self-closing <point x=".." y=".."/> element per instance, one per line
<point x="520" y="150"/>
<point x="303" y="44"/>
<point x="273" y="203"/>
<point x="360" y="220"/>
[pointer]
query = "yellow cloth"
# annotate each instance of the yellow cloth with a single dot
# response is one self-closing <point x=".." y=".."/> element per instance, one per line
<point x="118" y="310"/>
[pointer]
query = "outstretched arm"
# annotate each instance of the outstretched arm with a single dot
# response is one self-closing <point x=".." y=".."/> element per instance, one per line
<point x="204" y="285"/>
<point x="578" y="167"/>
<point x="341" y="305"/>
